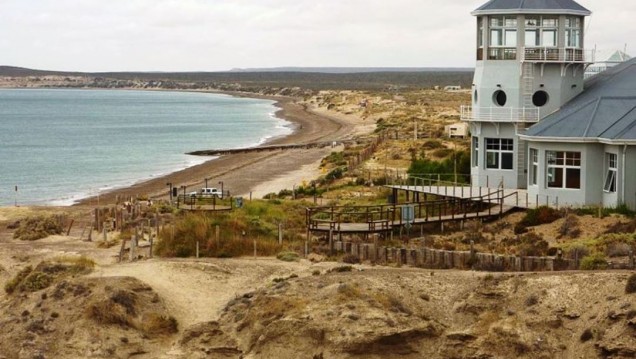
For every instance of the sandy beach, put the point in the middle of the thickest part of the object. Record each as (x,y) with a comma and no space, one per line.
(259,173)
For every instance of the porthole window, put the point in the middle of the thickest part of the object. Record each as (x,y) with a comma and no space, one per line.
(475,96)
(499,98)
(540,98)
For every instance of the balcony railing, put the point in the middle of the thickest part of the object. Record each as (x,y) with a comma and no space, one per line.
(499,114)
(554,54)
(502,53)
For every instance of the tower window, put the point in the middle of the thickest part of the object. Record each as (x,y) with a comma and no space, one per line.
(499,98)
(475,97)
(540,98)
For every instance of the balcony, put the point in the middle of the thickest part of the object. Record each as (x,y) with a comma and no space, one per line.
(500,114)
(557,55)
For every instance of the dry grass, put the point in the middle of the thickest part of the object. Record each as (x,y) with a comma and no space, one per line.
(155,324)
(38,227)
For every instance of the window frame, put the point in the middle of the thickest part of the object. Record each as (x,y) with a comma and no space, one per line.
(610,184)
(475,159)
(497,153)
(570,162)
(533,177)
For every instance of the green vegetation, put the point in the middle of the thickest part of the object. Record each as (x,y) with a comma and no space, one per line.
(459,163)
(536,217)
(38,227)
(46,273)
(288,256)
(594,262)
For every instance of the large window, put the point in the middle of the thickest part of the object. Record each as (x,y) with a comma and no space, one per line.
(499,153)
(503,32)
(475,151)
(534,166)
(563,169)
(611,169)
(541,31)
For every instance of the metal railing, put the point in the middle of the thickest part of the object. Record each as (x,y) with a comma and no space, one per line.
(555,54)
(500,114)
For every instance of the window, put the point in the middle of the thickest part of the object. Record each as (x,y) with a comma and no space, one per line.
(573,32)
(563,169)
(475,151)
(499,153)
(540,98)
(503,31)
(480,32)
(611,164)
(541,31)
(534,166)
(499,98)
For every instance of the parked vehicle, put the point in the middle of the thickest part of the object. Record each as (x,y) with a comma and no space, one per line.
(207,192)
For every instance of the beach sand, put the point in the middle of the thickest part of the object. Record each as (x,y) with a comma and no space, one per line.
(259,173)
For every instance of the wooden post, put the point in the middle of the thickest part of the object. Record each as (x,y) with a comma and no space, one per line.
(217,234)
(105,235)
(254,248)
(133,245)
(68,232)
(121,250)
(151,245)
(280,233)
(331,242)
(197,249)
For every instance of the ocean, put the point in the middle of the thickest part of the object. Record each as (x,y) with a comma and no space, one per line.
(59,146)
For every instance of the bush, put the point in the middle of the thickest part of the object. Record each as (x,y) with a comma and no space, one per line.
(340,269)
(157,325)
(594,262)
(442,152)
(351,259)
(587,335)
(630,287)
(13,284)
(532,300)
(536,217)
(570,227)
(432,144)
(35,281)
(34,228)
(288,256)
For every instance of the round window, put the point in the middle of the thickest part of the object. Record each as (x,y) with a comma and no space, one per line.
(499,98)
(540,98)
(475,96)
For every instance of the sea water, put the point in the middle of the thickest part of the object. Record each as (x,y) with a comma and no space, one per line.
(59,146)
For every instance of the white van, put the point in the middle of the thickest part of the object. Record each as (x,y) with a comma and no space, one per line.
(207,192)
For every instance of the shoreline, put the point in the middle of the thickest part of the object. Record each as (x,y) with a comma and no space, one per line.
(243,173)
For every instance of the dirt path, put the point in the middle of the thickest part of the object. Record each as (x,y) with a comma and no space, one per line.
(195,291)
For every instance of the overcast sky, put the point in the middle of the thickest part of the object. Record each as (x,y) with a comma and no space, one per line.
(212,35)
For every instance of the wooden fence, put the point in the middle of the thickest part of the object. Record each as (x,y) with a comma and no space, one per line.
(442,259)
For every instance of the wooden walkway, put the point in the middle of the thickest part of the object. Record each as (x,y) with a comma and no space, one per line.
(518,198)
(384,218)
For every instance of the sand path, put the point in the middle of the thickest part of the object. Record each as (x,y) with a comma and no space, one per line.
(196,291)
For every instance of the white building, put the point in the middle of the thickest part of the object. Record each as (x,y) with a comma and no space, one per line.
(457,130)
(533,125)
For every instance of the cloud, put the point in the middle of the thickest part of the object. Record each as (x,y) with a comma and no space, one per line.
(185,35)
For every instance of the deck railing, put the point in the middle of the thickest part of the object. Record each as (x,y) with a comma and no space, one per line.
(500,114)
(557,55)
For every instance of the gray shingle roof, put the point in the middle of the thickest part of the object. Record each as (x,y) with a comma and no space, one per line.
(605,111)
(565,7)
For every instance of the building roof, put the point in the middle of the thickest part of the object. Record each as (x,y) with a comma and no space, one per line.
(605,112)
(561,7)
(618,56)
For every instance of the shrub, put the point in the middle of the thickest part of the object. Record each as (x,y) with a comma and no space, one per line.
(341,269)
(630,287)
(532,299)
(35,281)
(594,262)
(587,335)
(442,152)
(351,259)
(570,227)
(157,324)
(34,228)
(432,144)
(288,256)
(540,215)
(618,250)
(13,284)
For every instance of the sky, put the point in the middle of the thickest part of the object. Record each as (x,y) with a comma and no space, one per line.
(217,35)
